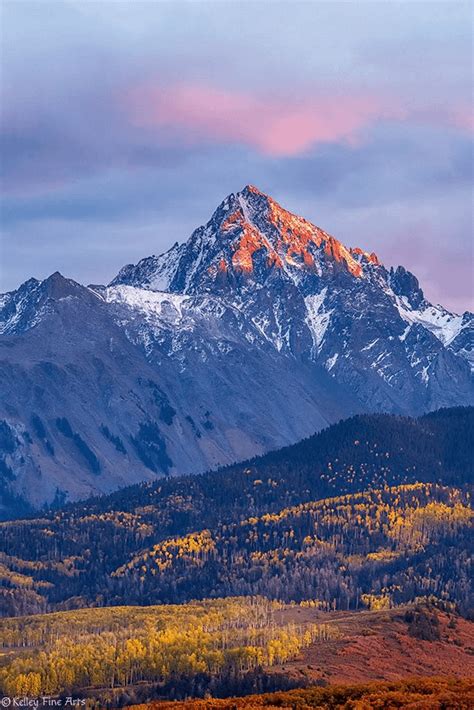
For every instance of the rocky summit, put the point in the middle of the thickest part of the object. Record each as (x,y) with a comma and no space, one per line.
(258,331)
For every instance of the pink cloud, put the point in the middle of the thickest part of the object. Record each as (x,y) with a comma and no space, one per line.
(274,126)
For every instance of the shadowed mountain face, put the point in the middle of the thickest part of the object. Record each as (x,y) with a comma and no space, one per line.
(256,332)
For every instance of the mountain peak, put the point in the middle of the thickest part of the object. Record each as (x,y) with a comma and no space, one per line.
(249,238)
(254,190)
(257,224)
(58,287)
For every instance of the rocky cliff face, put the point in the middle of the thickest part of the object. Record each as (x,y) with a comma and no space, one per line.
(258,331)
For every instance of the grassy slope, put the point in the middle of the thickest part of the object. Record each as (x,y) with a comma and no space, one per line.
(383,645)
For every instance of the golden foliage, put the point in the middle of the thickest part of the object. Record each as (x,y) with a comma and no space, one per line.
(119,646)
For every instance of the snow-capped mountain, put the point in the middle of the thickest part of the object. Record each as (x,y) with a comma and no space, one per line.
(313,299)
(256,332)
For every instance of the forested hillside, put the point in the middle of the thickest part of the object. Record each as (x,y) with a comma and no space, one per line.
(376,549)
(260,520)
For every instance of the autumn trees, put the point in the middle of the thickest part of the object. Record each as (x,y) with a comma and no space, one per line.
(122,646)
(378,548)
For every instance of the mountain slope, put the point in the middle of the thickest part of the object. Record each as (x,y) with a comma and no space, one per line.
(414,694)
(85,408)
(256,332)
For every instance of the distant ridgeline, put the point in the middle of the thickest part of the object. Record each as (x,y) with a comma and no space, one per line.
(373,510)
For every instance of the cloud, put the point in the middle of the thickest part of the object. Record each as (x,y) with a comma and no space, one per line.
(275,126)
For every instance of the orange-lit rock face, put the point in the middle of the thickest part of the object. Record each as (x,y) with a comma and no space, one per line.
(298,234)
(339,253)
(296,241)
(236,218)
(250,241)
(255,190)
(308,259)
(372,257)
(221,268)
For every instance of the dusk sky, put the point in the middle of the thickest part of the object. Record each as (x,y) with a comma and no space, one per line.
(124,124)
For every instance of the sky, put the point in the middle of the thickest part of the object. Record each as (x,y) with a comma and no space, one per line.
(125,124)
